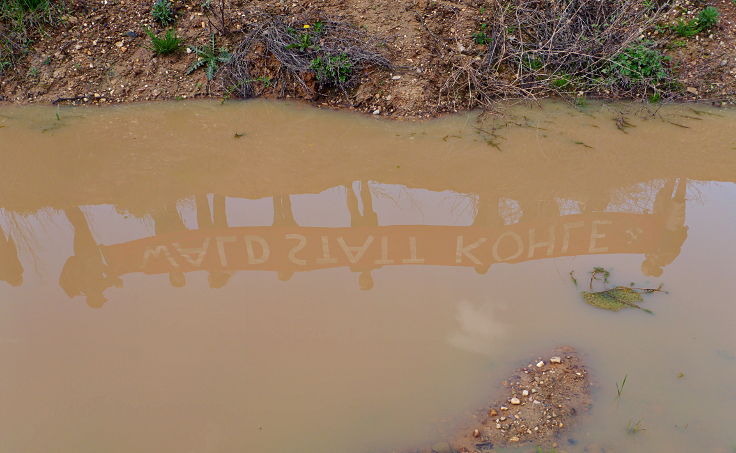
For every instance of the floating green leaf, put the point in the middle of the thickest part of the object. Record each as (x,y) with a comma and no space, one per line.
(615,299)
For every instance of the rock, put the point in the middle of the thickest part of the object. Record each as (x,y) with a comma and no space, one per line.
(377,112)
(525,393)
(692,90)
(476,433)
(514,439)
(514,401)
(493,412)
(555,360)
(131,34)
(442,447)
(540,364)
(396,77)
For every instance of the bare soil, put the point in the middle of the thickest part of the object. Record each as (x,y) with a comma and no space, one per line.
(100,54)
(538,406)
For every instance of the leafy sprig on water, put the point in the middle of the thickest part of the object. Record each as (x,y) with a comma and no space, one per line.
(616,298)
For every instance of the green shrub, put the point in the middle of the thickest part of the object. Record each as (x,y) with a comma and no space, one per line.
(209,57)
(333,69)
(639,63)
(163,12)
(169,43)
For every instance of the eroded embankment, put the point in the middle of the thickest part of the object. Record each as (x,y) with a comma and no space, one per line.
(388,57)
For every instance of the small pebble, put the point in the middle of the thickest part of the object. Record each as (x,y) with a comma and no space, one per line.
(492,412)
(476,433)
(555,360)
(515,400)
(514,439)
(540,364)
(525,392)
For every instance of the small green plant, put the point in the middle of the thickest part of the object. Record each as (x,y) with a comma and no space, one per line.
(708,18)
(481,37)
(634,428)
(561,82)
(165,45)
(533,63)
(677,44)
(307,37)
(163,12)
(33,72)
(209,57)
(542,450)
(333,69)
(705,20)
(639,63)
(620,388)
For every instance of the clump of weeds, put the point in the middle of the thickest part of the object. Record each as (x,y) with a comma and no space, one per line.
(209,57)
(163,12)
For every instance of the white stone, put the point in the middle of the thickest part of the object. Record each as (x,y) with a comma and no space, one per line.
(540,364)
(515,400)
(525,393)
(555,360)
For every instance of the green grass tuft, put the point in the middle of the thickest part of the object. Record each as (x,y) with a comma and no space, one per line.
(165,45)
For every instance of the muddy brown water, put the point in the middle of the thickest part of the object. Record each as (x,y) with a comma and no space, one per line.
(266,277)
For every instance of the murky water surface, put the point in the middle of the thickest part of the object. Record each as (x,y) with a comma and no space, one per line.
(270,278)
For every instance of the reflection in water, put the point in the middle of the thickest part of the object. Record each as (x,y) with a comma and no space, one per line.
(11,270)
(349,266)
(670,209)
(86,273)
(364,246)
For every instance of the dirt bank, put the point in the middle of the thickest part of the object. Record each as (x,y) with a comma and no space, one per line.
(96,51)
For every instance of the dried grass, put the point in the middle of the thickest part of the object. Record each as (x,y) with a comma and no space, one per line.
(275,49)
(554,47)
